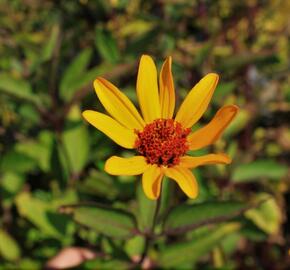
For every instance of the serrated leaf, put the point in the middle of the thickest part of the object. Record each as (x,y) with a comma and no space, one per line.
(267,216)
(9,248)
(108,221)
(188,217)
(189,252)
(259,169)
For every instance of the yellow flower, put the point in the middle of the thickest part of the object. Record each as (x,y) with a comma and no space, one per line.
(160,140)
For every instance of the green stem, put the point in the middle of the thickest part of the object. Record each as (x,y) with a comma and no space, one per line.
(149,237)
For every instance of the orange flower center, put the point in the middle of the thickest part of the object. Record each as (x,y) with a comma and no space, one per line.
(162,142)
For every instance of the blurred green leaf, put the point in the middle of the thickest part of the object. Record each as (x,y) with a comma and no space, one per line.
(146,210)
(105,264)
(75,139)
(236,62)
(10,184)
(239,123)
(43,215)
(9,248)
(75,75)
(106,45)
(258,170)
(202,54)
(50,44)
(18,88)
(40,150)
(189,217)
(15,161)
(135,246)
(101,184)
(222,90)
(267,216)
(136,28)
(189,252)
(108,221)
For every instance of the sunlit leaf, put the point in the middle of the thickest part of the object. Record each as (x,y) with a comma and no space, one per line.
(267,216)
(9,248)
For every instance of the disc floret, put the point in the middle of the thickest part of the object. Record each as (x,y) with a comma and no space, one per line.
(162,142)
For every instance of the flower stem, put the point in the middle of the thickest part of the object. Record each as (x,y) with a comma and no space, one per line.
(149,237)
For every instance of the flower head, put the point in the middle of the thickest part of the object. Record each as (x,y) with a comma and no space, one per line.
(160,139)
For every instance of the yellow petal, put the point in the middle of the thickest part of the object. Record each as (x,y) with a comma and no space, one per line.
(185,179)
(147,89)
(212,131)
(118,105)
(119,134)
(192,162)
(167,93)
(197,100)
(126,166)
(151,181)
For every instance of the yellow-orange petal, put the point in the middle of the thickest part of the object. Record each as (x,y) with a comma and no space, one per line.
(126,166)
(167,93)
(185,179)
(151,181)
(197,100)
(118,105)
(212,131)
(192,162)
(115,131)
(147,89)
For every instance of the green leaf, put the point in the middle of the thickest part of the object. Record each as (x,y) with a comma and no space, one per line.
(74,73)
(105,264)
(18,88)
(100,184)
(43,214)
(239,123)
(223,89)
(236,62)
(188,217)
(76,142)
(189,252)
(15,161)
(267,216)
(108,221)
(259,169)
(146,210)
(49,46)
(9,248)
(135,246)
(40,150)
(10,184)
(106,45)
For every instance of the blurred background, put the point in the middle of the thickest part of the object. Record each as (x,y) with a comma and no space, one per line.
(50,53)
